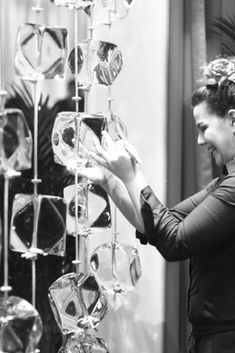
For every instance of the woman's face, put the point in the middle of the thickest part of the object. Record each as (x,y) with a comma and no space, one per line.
(216,133)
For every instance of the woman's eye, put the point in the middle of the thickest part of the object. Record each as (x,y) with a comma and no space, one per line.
(202,128)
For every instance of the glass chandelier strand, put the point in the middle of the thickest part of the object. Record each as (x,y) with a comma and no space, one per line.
(77,260)
(115,232)
(5,288)
(38,9)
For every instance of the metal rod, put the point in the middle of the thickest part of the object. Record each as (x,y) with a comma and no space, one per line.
(38,9)
(77,237)
(34,281)
(6,198)
(6,288)
(35,180)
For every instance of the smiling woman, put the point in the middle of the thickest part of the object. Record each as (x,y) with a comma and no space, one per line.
(200,228)
(214,110)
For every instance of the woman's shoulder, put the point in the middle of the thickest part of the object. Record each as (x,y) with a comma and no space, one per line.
(228,179)
(224,188)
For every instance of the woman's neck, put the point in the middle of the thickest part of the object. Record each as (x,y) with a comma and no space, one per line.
(230,166)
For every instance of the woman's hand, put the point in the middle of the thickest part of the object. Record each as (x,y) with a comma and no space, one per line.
(97,175)
(118,157)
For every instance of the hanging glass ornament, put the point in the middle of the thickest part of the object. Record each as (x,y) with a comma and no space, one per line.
(116,267)
(64,135)
(20,326)
(86,60)
(74,4)
(15,141)
(38,224)
(93,209)
(40,52)
(83,343)
(109,64)
(98,62)
(108,11)
(82,208)
(77,302)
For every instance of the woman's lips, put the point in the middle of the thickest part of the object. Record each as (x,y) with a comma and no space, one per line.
(212,150)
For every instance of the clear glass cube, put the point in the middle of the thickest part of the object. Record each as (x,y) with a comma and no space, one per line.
(20,326)
(77,302)
(116,267)
(86,60)
(15,141)
(40,52)
(72,138)
(73,4)
(38,224)
(93,212)
(83,343)
(98,62)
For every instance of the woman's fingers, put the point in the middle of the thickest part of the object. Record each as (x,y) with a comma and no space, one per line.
(100,152)
(99,159)
(107,142)
(131,151)
(82,172)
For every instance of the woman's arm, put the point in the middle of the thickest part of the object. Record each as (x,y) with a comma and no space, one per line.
(116,189)
(127,202)
(199,227)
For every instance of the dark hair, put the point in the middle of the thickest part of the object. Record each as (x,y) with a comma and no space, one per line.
(219,98)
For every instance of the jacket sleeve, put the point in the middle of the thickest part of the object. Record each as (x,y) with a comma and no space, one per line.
(195,225)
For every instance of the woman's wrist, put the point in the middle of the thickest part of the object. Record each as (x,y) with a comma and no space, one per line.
(109,180)
(138,179)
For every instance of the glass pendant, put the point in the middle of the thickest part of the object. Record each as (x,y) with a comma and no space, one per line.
(40,52)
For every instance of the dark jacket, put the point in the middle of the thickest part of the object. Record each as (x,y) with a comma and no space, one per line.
(201,228)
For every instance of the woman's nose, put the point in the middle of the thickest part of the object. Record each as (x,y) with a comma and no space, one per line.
(201,140)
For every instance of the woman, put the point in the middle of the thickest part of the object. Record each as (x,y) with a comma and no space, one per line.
(201,228)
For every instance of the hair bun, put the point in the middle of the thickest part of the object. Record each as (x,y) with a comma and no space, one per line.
(219,72)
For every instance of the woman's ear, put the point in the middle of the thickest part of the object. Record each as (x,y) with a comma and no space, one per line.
(231,115)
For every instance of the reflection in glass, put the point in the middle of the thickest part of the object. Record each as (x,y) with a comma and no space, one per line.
(77,302)
(89,128)
(93,211)
(83,343)
(48,234)
(98,62)
(15,141)
(116,267)
(20,326)
(40,52)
